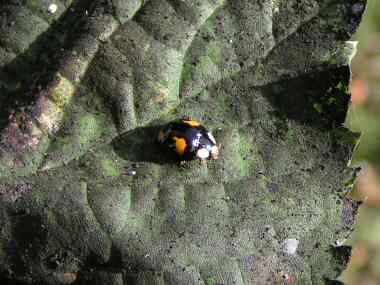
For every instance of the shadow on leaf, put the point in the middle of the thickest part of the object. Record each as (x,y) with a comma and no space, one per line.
(36,67)
(319,98)
(141,145)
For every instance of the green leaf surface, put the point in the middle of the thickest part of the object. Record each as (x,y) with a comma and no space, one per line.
(88,197)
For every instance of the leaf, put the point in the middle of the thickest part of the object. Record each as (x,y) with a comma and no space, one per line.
(85,90)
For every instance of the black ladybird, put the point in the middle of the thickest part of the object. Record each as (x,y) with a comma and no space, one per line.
(189,140)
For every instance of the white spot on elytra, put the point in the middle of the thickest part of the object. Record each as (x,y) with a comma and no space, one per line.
(291,245)
(195,142)
(211,137)
(52,8)
(203,153)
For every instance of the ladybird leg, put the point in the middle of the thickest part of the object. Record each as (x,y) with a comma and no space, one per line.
(219,148)
(161,136)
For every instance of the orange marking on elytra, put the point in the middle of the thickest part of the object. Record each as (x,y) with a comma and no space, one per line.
(192,123)
(180,145)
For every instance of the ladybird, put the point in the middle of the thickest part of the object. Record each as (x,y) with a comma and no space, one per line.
(189,140)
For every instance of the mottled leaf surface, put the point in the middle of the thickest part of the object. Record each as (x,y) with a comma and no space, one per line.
(88,197)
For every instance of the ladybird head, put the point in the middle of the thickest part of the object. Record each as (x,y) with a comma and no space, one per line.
(214,152)
(211,152)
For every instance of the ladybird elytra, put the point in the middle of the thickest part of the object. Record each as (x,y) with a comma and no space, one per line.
(189,139)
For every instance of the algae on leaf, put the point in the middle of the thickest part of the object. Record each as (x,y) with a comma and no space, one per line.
(86,194)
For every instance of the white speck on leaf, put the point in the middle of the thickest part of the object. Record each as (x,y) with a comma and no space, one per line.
(340,242)
(291,245)
(131,172)
(52,8)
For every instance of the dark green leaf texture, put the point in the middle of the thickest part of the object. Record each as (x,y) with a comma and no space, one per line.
(83,92)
